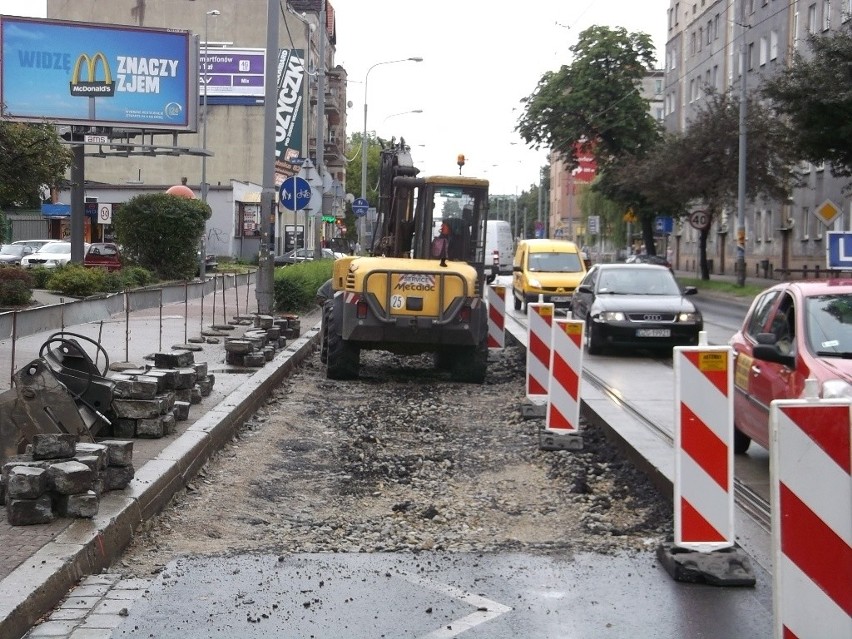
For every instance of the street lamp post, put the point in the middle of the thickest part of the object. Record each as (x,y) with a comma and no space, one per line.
(364,136)
(202,260)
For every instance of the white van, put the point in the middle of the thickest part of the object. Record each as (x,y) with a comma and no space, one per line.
(499,249)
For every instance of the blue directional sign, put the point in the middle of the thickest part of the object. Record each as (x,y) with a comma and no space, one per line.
(295,193)
(663,224)
(360,207)
(838,250)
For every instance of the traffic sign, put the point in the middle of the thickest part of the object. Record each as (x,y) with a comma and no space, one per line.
(360,206)
(663,224)
(838,250)
(295,193)
(699,220)
(594,224)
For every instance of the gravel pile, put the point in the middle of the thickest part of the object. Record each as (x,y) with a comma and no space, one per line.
(404,460)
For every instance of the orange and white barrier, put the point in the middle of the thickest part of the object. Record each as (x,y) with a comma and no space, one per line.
(496,297)
(566,368)
(704,448)
(540,326)
(811,474)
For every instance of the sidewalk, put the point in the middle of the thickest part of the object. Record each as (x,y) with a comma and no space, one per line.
(39,564)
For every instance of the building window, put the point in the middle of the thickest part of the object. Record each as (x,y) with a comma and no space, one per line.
(826,15)
(773,45)
(715,77)
(692,90)
(658,87)
(846,10)
(716,26)
(750,56)
(806,223)
(700,37)
(709,32)
(677,11)
(764,50)
(692,47)
(812,19)
(248,220)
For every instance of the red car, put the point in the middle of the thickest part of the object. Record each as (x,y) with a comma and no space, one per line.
(103,255)
(793,331)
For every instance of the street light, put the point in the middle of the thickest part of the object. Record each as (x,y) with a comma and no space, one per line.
(203,249)
(393,115)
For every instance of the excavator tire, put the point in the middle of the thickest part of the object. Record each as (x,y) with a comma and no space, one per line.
(343,359)
(327,309)
(471,364)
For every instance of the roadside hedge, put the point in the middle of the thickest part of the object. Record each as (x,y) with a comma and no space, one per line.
(295,286)
(16,286)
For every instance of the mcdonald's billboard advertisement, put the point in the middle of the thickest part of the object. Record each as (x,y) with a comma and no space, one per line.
(98,75)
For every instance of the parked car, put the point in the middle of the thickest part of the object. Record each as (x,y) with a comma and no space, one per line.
(11,254)
(304,255)
(103,255)
(548,268)
(635,306)
(50,255)
(793,331)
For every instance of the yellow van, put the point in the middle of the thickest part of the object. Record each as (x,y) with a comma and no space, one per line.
(550,268)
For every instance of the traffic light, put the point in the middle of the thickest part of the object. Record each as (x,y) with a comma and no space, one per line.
(460,161)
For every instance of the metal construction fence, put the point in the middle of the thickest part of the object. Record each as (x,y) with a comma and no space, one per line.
(213,300)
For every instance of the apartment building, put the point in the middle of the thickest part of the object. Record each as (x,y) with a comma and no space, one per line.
(709,42)
(235,120)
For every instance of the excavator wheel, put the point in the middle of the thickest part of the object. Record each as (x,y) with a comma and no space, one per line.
(327,309)
(342,358)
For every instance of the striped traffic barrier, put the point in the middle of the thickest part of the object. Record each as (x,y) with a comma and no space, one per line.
(496,297)
(704,549)
(704,447)
(811,475)
(540,326)
(562,423)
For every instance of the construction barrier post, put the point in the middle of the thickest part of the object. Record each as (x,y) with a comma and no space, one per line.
(811,475)
(496,298)
(540,326)
(704,549)
(562,426)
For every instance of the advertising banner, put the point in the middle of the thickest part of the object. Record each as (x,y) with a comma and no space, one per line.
(231,72)
(289,113)
(100,75)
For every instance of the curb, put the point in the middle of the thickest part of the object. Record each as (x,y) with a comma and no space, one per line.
(88,546)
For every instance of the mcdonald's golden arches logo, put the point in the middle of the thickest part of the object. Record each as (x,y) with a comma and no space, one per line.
(92,87)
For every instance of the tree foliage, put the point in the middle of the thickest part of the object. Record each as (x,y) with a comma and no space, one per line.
(816,94)
(161,232)
(595,101)
(31,155)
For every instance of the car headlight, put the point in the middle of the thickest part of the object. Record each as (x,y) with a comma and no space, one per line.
(835,388)
(611,316)
(688,317)
(535,283)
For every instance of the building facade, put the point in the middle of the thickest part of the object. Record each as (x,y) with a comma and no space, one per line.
(234,126)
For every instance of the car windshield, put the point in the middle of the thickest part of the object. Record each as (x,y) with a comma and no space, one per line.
(56,247)
(554,262)
(829,324)
(12,249)
(637,281)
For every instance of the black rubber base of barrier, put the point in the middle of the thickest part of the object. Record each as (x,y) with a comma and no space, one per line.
(723,567)
(549,440)
(533,411)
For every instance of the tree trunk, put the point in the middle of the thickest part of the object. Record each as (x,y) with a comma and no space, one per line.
(648,235)
(702,252)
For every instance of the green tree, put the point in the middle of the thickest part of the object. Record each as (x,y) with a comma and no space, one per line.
(594,105)
(161,232)
(816,95)
(31,155)
(701,166)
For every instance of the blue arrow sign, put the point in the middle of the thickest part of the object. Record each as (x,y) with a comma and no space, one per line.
(295,193)
(360,206)
(839,250)
(663,224)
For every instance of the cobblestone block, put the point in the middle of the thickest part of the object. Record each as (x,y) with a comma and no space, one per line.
(53,445)
(167,400)
(235,359)
(118,477)
(92,462)
(168,424)
(201,369)
(138,388)
(205,387)
(82,505)
(174,359)
(183,395)
(119,452)
(268,353)
(167,377)
(26,482)
(124,428)
(263,321)
(181,411)
(29,512)
(238,346)
(150,428)
(282,342)
(273,333)
(195,395)
(255,360)
(186,378)
(99,450)
(137,408)
(70,477)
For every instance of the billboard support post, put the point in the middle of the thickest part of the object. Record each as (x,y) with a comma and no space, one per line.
(78,181)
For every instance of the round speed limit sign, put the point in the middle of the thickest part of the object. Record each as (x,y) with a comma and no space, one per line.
(699,220)
(105,214)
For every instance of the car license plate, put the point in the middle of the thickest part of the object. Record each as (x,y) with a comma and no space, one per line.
(653,332)
(560,299)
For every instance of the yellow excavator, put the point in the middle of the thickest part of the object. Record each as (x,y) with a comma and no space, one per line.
(419,288)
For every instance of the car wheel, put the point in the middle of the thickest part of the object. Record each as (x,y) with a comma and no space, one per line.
(593,338)
(741,441)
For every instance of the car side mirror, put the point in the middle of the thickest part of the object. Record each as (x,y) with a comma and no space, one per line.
(767,350)
(689,290)
(585,288)
(28,250)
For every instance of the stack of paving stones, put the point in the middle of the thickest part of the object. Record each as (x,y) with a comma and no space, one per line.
(259,343)
(61,477)
(148,402)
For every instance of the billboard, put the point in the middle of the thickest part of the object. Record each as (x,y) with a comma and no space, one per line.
(97,75)
(289,113)
(233,72)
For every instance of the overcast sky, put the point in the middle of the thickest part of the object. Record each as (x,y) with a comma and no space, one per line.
(480,58)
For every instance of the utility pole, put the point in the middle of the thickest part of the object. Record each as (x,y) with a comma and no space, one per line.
(321,34)
(741,171)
